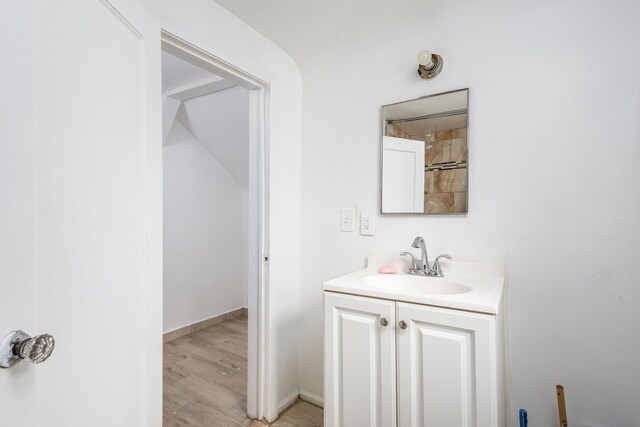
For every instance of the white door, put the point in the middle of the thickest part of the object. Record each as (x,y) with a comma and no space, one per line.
(446,368)
(359,362)
(402,175)
(75,139)
(17,258)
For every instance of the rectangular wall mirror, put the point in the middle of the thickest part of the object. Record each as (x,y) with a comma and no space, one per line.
(424,155)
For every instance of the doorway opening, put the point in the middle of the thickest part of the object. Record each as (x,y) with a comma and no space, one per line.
(215,246)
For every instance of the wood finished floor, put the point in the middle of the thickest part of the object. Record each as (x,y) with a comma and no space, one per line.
(205,381)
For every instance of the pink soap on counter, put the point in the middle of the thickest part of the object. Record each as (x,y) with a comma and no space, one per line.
(388,270)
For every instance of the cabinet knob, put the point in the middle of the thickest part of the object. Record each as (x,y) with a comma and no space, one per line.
(403,325)
(384,322)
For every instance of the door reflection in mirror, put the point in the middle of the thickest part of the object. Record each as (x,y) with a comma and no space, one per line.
(425,155)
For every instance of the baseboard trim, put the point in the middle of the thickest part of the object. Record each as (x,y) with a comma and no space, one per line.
(186,330)
(288,401)
(312,398)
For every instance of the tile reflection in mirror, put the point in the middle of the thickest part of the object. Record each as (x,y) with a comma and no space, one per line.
(425,155)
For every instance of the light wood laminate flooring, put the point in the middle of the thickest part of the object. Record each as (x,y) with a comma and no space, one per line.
(205,381)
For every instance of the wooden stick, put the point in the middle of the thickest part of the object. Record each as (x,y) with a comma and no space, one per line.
(562,410)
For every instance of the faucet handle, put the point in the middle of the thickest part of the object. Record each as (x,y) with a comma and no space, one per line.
(413,266)
(436,270)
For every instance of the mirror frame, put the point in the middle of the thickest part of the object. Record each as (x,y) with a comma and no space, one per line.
(381,153)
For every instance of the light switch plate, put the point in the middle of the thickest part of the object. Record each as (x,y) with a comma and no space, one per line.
(367,223)
(346,219)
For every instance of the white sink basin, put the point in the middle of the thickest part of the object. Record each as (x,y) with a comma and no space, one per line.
(467,285)
(410,284)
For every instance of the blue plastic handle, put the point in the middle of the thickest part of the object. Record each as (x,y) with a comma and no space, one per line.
(524,421)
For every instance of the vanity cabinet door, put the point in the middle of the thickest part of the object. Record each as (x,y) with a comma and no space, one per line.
(446,368)
(360,365)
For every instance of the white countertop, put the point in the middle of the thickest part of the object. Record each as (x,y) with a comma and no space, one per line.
(467,285)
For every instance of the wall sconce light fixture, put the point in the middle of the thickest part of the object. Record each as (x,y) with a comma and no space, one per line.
(429,64)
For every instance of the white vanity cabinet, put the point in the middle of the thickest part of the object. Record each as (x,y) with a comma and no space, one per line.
(446,367)
(360,361)
(391,363)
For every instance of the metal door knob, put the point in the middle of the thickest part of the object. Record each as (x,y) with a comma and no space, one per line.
(403,324)
(18,346)
(384,322)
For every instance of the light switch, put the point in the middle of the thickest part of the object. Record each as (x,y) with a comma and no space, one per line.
(346,219)
(367,223)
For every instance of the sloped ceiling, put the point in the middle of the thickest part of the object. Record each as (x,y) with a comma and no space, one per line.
(219,119)
(177,72)
(306,29)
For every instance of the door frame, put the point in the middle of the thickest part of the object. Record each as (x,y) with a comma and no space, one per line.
(261,361)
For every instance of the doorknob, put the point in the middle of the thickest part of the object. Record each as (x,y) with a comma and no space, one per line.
(403,324)
(18,346)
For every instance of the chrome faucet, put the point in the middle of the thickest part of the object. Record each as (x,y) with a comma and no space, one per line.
(418,243)
(424,269)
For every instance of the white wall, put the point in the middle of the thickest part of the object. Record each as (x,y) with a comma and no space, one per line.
(205,241)
(554,147)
